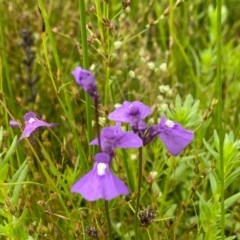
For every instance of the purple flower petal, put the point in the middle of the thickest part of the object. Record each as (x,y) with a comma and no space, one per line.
(115,187)
(131,112)
(86,80)
(174,136)
(89,186)
(100,182)
(128,140)
(32,123)
(114,137)
(13,123)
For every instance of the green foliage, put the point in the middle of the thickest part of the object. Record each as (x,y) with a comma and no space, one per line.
(231,158)
(11,225)
(163,53)
(186,112)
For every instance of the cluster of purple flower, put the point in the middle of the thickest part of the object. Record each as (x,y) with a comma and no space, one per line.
(100,182)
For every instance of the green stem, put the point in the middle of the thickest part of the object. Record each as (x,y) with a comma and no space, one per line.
(219,112)
(96,104)
(85,64)
(5,74)
(108,220)
(138,192)
(83,33)
(166,185)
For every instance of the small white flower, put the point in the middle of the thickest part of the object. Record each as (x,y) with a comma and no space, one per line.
(131,74)
(162,107)
(117,105)
(133,157)
(102,121)
(117,44)
(92,67)
(151,121)
(163,67)
(164,88)
(118,225)
(153,174)
(151,65)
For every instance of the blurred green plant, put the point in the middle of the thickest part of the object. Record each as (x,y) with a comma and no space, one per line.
(12,225)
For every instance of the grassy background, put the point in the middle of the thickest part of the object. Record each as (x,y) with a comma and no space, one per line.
(132,51)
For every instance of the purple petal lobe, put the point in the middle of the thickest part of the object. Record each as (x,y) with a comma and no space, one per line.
(115,187)
(29,115)
(128,140)
(174,136)
(100,182)
(86,80)
(130,112)
(13,123)
(89,186)
(114,137)
(102,158)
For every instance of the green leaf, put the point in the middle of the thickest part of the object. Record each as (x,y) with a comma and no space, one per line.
(18,178)
(187,112)
(231,200)
(10,150)
(213,182)
(1,135)
(4,172)
(170,211)
(211,149)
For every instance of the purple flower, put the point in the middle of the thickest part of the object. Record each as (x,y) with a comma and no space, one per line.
(131,112)
(14,124)
(86,80)
(174,136)
(100,182)
(31,124)
(114,137)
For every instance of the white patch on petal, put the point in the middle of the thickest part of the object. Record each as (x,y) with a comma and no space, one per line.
(101,169)
(169,123)
(31,120)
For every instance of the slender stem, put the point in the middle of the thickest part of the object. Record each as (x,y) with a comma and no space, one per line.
(108,220)
(138,192)
(166,185)
(83,33)
(88,102)
(85,63)
(96,103)
(219,112)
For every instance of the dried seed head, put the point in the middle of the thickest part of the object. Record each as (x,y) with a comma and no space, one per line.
(147,216)
(92,232)
(126,3)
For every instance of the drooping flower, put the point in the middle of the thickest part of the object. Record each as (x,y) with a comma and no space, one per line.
(131,112)
(113,137)
(174,136)
(100,182)
(31,124)
(86,80)
(14,124)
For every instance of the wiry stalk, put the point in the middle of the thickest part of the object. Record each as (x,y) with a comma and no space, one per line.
(219,112)
(138,193)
